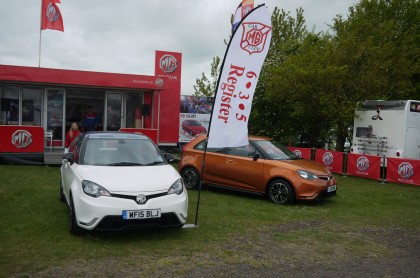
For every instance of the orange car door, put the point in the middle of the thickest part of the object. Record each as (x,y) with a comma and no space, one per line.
(214,166)
(242,171)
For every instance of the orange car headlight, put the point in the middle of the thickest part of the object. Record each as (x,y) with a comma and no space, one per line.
(306,175)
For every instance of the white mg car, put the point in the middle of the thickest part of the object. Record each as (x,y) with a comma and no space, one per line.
(117,180)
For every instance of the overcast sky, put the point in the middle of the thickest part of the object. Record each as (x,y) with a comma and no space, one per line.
(121,36)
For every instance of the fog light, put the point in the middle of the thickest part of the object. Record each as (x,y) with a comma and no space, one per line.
(90,223)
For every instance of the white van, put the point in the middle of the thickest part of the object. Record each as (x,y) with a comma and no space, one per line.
(387,128)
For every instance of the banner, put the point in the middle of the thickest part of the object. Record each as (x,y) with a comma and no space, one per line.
(51,16)
(330,159)
(192,125)
(366,166)
(301,152)
(194,117)
(401,170)
(238,78)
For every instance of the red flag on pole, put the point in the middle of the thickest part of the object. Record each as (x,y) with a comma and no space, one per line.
(243,9)
(51,16)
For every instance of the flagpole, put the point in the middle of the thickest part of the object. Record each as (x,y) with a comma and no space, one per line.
(40,37)
(208,130)
(39,54)
(211,117)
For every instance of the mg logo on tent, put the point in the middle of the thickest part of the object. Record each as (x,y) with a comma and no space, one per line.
(254,36)
(406,170)
(21,138)
(328,158)
(159,82)
(168,63)
(362,163)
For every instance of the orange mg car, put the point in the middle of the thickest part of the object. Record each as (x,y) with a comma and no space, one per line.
(263,166)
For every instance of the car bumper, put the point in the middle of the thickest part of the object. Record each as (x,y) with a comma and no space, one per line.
(105,213)
(316,190)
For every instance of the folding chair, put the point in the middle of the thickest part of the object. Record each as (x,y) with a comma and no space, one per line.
(48,135)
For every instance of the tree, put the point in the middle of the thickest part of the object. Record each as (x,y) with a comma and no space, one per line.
(311,83)
(378,49)
(205,87)
(273,108)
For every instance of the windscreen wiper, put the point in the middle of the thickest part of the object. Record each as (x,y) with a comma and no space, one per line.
(155,163)
(125,164)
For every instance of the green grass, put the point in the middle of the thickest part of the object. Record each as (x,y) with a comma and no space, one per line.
(34,234)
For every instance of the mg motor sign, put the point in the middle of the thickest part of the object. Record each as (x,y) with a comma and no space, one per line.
(331,159)
(328,158)
(21,138)
(168,63)
(367,166)
(403,171)
(304,153)
(21,144)
(362,163)
(298,153)
(168,67)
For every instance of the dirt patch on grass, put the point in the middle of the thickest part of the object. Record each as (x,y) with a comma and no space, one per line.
(275,251)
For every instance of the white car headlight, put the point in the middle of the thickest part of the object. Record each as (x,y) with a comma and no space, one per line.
(306,175)
(94,190)
(177,187)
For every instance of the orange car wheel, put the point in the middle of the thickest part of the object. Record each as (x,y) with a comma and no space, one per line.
(281,192)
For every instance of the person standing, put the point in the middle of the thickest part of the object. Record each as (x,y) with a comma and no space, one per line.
(72,133)
(90,120)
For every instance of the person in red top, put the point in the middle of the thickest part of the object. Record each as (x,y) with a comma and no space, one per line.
(90,120)
(72,133)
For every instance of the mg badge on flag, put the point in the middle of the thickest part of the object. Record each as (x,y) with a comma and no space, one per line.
(51,16)
(254,37)
(238,79)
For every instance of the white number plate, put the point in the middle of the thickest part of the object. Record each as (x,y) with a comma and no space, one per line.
(141,214)
(332,188)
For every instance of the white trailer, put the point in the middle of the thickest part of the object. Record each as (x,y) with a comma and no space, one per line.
(387,128)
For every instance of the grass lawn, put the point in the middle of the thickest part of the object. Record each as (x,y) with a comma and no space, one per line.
(35,237)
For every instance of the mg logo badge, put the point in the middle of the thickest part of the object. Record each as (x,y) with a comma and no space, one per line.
(168,63)
(362,163)
(141,199)
(254,36)
(159,82)
(52,13)
(406,170)
(298,153)
(328,158)
(21,138)
(246,10)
